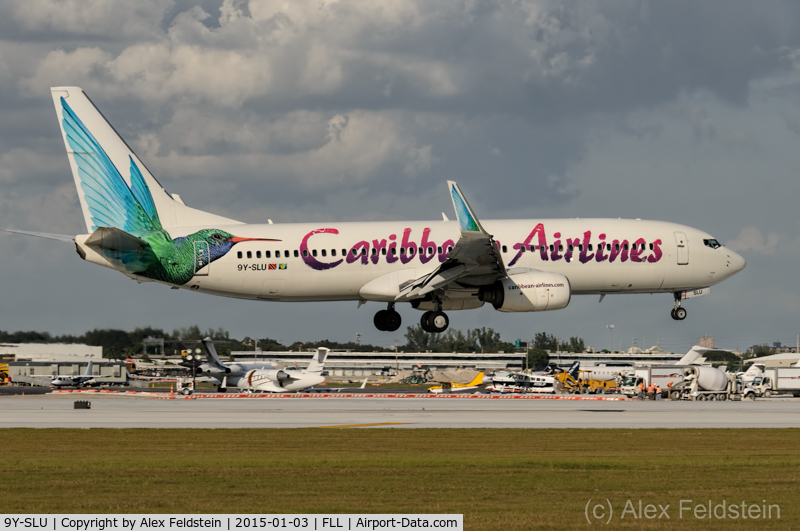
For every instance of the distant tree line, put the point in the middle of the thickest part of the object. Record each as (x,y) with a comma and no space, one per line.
(118,344)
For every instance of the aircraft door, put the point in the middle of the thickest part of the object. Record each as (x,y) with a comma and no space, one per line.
(683,248)
(201,258)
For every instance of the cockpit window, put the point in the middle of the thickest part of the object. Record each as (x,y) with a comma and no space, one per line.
(714,244)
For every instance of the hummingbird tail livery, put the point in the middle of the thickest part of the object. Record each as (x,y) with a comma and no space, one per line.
(112,182)
(136,227)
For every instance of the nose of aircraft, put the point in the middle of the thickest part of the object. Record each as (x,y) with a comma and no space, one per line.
(735,262)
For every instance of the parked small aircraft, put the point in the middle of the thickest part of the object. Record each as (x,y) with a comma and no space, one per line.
(85,380)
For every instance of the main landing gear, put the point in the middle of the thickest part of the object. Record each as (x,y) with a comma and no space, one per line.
(387,320)
(678,313)
(436,321)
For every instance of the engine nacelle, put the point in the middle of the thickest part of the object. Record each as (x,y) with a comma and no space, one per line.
(528,291)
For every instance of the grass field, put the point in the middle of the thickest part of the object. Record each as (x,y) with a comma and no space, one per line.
(499,479)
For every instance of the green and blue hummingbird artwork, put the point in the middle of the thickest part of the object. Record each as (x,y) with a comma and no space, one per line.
(112,203)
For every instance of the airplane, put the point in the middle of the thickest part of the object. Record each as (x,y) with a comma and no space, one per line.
(85,380)
(225,373)
(453,387)
(285,380)
(136,227)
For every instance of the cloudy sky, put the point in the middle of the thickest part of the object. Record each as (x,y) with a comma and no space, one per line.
(341,111)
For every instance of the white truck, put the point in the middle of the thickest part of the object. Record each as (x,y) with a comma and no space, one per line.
(666,376)
(774,380)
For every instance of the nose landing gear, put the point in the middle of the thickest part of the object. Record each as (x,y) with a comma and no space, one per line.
(387,320)
(678,313)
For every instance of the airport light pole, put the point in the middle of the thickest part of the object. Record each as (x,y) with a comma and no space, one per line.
(611,340)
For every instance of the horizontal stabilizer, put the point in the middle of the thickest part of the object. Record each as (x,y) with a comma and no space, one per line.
(114,239)
(58,237)
(125,251)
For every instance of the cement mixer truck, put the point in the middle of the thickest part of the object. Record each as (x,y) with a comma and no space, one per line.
(707,383)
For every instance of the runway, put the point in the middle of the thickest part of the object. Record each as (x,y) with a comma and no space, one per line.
(115,411)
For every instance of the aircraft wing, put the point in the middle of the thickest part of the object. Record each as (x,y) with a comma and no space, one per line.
(474,260)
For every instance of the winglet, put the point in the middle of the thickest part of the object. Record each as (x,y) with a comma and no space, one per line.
(466,218)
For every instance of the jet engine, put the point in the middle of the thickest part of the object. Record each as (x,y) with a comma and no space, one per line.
(528,290)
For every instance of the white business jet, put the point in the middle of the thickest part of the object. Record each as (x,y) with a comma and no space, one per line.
(136,227)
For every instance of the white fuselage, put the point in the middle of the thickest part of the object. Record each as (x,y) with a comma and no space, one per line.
(334,261)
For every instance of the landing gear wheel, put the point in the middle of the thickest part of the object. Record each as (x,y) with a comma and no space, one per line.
(380,320)
(680,314)
(672,314)
(438,321)
(424,322)
(393,321)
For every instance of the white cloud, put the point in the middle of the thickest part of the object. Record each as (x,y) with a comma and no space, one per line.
(753,239)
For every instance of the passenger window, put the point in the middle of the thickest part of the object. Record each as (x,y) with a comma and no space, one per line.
(651,246)
(383,251)
(333,252)
(641,247)
(402,250)
(286,254)
(296,253)
(355,252)
(374,251)
(344,252)
(580,247)
(449,249)
(324,252)
(239,254)
(363,251)
(552,248)
(625,246)
(561,248)
(440,249)
(431,250)
(258,254)
(394,251)
(411,251)
(608,247)
(249,254)
(505,249)
(570,248)
(590,246)
(267,254)
(305,253)
(314,253)
(616,247)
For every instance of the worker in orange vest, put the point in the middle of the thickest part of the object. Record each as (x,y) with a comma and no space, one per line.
(641,387)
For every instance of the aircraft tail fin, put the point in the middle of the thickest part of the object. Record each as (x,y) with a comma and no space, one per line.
(318,361)
(478,380)
(114,186)
(574,368)
(693,357)
(88,369)
(211,352)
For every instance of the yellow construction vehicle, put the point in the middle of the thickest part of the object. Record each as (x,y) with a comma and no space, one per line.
(3,373)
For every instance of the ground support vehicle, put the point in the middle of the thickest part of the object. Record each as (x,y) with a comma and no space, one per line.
(666,376)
